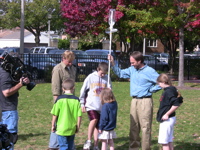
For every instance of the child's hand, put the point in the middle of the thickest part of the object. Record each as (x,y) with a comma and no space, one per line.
(83,109)
(77,129)
(53,129)
(165,117)
(100,131)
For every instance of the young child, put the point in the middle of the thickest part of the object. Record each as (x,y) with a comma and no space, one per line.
(108,119)
(92,86)
(169,102)
(66,115)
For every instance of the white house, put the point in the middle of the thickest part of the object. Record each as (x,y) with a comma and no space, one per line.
(11,38)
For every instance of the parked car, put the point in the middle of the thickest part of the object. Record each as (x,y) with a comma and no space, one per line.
(87,66)
(16,50)
(192,54)
(156,63)
(162,56)
(42,49)
(100,53)
(38,64)
(79,54)
(1,50)
(80,58)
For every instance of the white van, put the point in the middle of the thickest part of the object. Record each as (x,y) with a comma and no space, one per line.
(42,50)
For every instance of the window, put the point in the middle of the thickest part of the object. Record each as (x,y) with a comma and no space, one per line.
(152,43)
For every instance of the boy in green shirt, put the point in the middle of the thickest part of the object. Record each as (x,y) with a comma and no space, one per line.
(66,115)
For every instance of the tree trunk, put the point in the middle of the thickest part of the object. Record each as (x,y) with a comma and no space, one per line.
(181,57)
(37,40)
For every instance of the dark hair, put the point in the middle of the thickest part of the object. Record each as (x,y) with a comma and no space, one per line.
(68,84)
(107,96)
(164,78)
(103,66)
(137,56)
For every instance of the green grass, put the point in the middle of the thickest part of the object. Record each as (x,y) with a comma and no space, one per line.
(35,119)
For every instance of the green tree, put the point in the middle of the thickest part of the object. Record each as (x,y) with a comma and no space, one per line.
(36,16)
(167,20)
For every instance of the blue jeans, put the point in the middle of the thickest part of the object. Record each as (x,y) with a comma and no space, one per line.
(10,118)
(66,142)
(53,141)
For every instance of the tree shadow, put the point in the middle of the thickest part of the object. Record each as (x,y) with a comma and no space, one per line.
(187,146)
(24,137)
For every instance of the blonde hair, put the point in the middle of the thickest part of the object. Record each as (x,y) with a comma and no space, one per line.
(164,78)
(107,96)
(68,84)
(69,55)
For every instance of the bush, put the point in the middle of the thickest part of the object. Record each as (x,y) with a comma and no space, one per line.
(63,44)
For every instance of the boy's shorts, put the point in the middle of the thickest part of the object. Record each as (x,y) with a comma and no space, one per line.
(166,131)
(93,114)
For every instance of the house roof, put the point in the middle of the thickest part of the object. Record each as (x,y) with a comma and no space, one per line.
(13,34)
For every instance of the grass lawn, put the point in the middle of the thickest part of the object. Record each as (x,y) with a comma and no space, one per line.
(35,119)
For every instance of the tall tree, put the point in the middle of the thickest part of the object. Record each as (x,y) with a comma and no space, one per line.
(155,18)
(167,19)
(183,12)
(36,16)
(87,16)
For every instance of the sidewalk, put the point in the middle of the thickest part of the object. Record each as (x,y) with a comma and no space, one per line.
(192,81)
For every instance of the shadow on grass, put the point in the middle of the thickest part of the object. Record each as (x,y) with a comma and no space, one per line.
(187,146)
(155,145)
(124,140)
(121,143)
(24,137)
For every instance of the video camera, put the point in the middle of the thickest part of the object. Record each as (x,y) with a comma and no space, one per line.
(6,137)
(16,68)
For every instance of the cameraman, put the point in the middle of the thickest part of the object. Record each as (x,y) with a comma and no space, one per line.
(9,101)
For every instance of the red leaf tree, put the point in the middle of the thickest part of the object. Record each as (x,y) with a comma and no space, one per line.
(86,15)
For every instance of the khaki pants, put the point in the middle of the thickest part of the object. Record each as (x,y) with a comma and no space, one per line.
(141,113)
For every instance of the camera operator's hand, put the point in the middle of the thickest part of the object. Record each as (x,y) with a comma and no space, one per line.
(14,89)
(24,81)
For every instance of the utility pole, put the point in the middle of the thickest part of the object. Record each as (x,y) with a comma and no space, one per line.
(22,28)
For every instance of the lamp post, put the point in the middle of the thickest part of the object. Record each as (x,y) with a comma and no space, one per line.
(22,28)
(110,30)
(49,29)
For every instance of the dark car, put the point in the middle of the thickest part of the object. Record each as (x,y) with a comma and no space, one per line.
(156,63)
(1,50)
(87,66)
(38,64)
(100,53)
(161,56)
(16,50)
(79,54)
(80,57)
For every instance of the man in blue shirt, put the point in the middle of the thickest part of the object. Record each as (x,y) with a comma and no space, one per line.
(142,85)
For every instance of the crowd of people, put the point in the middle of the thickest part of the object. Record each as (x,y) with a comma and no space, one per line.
(98,100)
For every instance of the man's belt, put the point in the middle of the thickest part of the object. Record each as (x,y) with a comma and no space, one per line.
(141,97)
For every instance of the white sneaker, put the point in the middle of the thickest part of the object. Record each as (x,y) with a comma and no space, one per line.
(87,145)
